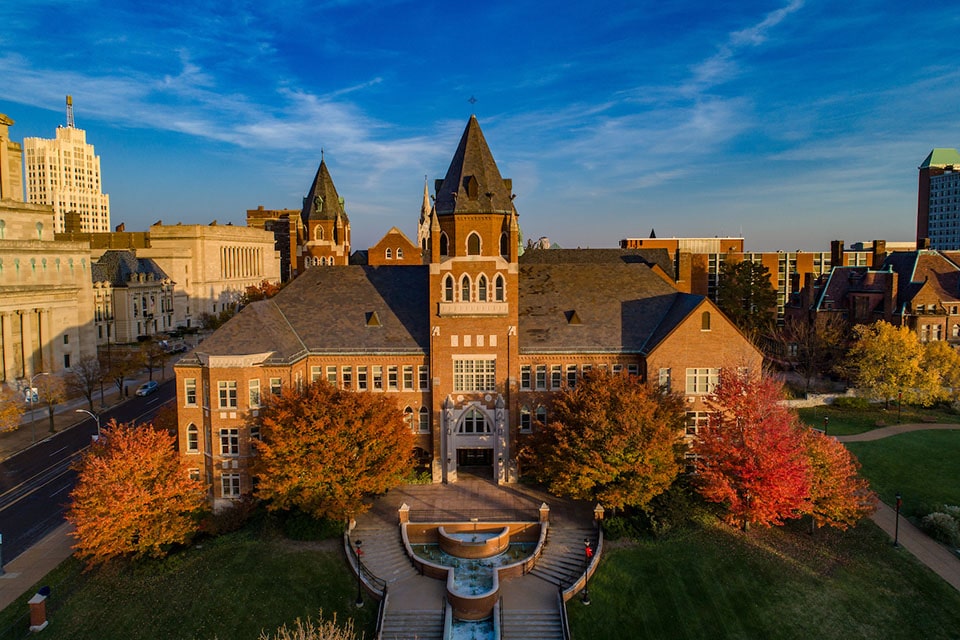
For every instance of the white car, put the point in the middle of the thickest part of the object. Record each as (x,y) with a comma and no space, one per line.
(147,388)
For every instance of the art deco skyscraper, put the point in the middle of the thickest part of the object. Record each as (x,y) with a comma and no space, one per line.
(65,173)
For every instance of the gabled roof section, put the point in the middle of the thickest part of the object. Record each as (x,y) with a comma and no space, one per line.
(322,201)
(473,183)
(651,257)
(117,266)
(619,306)
(942,157)
(925,270)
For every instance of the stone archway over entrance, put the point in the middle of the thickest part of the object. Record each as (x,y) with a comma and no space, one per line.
(476,462)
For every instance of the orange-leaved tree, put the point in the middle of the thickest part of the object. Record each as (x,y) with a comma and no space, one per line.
(839,497)
(324,449)
(134,497)
(11,409)
(750,457)
(612,438)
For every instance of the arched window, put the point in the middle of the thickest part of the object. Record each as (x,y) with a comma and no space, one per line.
(408,418)
(956,331)
(465,288)
(482,288)
(319,233)
(424,420)
(389,254)
(193,439)
(705,321)
(448,289)
(444,244)
(541,416)
(474,422)
(399,253)
(505,245)
(473,244)
(498,294)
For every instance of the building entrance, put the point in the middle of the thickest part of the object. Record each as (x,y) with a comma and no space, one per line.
(475,462)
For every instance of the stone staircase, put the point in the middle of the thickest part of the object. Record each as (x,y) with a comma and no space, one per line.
(413,625)
(531,625)
(383,553)
(562,561)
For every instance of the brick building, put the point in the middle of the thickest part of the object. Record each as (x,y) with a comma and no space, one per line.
(471,339)
(938,200)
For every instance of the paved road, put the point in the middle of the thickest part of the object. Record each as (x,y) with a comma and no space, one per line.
(35,483)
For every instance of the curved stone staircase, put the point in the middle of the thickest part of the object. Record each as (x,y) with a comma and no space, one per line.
(563,561)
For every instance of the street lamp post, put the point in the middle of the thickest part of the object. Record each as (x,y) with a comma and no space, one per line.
(359,602)
(826,421)
(95,417)
(896,525)
(587,554)
(31,400)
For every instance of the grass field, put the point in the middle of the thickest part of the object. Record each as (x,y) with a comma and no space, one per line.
(716,582)
(845,422)
(229,588)
(923,466)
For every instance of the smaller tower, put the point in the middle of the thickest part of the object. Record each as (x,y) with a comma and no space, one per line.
(423,228)
(325,222)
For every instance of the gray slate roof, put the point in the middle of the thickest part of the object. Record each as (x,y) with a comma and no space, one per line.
(659,257)
(117,266)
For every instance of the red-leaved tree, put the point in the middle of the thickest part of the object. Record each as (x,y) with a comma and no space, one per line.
(324,449)
(134,497)
(751,456)
(612,439)
(838,496)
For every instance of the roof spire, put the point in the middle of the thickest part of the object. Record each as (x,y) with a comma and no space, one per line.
(70,111)
(473,183)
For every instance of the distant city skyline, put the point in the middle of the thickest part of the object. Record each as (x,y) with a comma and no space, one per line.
(788,123)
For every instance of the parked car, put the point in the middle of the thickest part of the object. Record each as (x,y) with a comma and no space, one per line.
(147,388)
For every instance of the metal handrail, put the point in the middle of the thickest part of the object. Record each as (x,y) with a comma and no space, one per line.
(564,623)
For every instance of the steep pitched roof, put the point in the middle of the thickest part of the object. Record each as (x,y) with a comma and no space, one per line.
(117,266)
(941,157)
(658,257)
(328,310)
(322,201)
(620,305)
(924,269)
(473,183)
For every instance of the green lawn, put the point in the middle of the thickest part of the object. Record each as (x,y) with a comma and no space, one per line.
(923,466)
(716,582)
(229,588)
(845,422)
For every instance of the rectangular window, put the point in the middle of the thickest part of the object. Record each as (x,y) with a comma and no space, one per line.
(474,375)
(230,485)
(275,386)
(228,394)
(362,378)
(66,338)
(315,373)
(633,370)
(424,420)
(194,474)
(617,369)
(423,372)
(525,377)
(702,381)
(695,421)
(255,432)
(586,369)
(541,379)
(392,382)
(66,361)
(377,377)
(229,442)
(556,376)
(526,424)
(254,394)
(332,375)
(346,377)
(571,375)
(664,378)
(408,377)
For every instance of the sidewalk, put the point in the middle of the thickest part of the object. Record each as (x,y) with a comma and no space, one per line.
(32,565)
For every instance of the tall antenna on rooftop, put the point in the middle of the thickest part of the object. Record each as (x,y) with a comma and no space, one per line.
(70,111)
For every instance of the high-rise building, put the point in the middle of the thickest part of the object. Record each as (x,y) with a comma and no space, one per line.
(938,200)
(65,174)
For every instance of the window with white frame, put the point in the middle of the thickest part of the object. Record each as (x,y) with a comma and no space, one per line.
(362,378)
(229,442)
(474,422)
(392,381)
(332,374)
(474,375)
(526,425)
(616,369)
(315,374)
(276,386)
(228,394)
(633,370)
(230,485)
(408,377)
(571,375)
(377,371)
(190,392)
(346,377)
(423,373)
(541,377)
(193,439)
(424,420)
(409,418)
(702,380)
(194,474)
(695,421)
(556,376)
(664,378)
(525,377)
(254,393)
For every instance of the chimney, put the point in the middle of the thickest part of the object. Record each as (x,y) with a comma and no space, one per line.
(120,228)
(836,253)
(879,253)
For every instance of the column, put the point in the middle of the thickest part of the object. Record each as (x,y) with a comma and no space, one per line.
(26,342)
(6,343)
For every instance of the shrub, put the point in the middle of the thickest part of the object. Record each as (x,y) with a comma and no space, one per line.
(230,518)
(943,527)
(298,525)
(855,403)
(619,527)
(310,630)
(420,476)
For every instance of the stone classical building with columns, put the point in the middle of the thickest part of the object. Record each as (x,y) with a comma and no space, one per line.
(472,340)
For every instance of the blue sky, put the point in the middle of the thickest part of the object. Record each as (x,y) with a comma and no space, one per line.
(788,122)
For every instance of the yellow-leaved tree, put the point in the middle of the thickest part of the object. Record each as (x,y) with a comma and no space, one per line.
(886,361)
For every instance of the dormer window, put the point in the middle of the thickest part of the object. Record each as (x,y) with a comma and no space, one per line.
(473,244)
(389,254)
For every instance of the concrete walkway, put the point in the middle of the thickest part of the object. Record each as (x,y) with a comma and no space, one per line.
(939,558)
(30,567)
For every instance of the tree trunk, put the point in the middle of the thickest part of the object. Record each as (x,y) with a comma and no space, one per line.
(50,413)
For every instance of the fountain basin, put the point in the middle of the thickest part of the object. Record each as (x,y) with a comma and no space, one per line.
(473,543)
